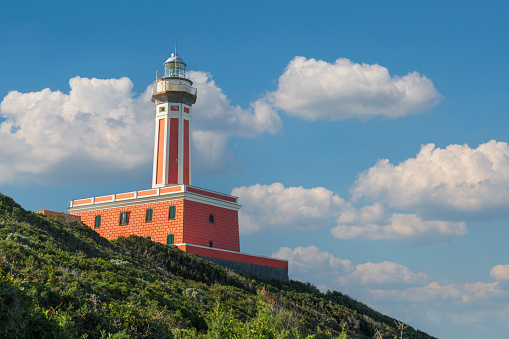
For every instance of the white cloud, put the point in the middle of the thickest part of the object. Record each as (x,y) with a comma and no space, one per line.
(215,120)
(101,130)
(463,293)
(396,288)
(380,274)
(373,222)
(462,317)
(451,182)
(274,207)
(311,260)
(210,153)
(500,272)
(214,113)
(314,89)
(308,263)
(51,136)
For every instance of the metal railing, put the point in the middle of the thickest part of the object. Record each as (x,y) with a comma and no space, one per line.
(163,86)
(172,73)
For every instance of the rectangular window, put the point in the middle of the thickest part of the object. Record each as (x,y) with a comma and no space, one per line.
(174,108)
(210,243)
(162,109)
(173,212)
(186,110)
(148,216)
(98,221)
(211,218)
(124,218)
(171,239)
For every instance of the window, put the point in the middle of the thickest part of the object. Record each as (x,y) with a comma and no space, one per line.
(171,239)
(124,218)
(148,216)
(98,221)
(210,243)
(162,109)
(173,212)
(211,218)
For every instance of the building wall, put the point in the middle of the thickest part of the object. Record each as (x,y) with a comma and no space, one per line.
(191,224)
(224,232)
(157,230)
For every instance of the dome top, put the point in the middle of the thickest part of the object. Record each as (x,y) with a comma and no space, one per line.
(175,58)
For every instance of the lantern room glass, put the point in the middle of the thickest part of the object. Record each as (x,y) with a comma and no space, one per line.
(175,67)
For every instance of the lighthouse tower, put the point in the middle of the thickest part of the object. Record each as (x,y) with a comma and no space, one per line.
(172,212)
(173,95)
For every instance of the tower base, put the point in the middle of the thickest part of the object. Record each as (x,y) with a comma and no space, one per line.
(193,219)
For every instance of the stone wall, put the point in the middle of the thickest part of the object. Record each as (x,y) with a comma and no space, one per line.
(248,270)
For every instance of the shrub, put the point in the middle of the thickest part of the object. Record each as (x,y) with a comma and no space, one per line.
(16,237)
(195,293)
(121,262)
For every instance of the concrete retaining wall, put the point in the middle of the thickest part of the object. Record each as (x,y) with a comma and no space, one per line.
(248,270)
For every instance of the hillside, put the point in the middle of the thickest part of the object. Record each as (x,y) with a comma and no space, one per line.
(60,279)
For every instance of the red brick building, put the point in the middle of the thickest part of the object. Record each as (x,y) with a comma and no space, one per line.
(173,212)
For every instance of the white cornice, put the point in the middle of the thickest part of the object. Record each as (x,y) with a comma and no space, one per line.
(154,199)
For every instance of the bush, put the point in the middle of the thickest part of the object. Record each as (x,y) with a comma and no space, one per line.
(195,293)
(16,237)
(121,262)
(20,317)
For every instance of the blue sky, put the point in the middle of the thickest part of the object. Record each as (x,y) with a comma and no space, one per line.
(298,105)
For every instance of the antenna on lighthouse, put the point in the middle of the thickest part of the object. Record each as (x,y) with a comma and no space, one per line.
(176,58)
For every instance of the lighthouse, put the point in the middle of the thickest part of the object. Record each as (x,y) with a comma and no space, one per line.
(173,212)
(174,96)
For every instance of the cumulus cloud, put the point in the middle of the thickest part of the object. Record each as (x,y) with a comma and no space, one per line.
(215,120)
(380,274)
(455,180)
(102,130)
(434,291)
(51,136)
(274,207)
(278,208)
(500,272)
(311,260)
(314,89)
(214,112)
(374,223)
(392,286)
(211,154)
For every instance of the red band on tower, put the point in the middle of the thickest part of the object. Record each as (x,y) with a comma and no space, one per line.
(160,152)
(174,152)
(186,152)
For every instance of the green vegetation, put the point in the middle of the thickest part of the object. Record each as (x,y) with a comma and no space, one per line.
(60,279)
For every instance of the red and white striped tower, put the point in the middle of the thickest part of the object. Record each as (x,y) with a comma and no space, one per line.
(173,95)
